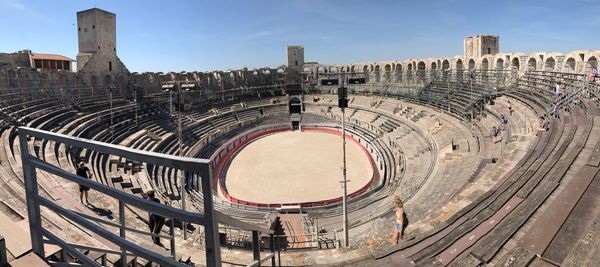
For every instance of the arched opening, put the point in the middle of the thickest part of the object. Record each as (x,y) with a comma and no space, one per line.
(445,65)
(306,70)
(377,74)
(592,62)
(531,64)
(388,72)
(570,64)
(459,69)
(398,72)
(499,64)
(333,69)
(421,71)
(471,64)
(514,64)
(321,69)
(365,69)
(107,81)
(267,72)
(433,70)
(550,64)
(409,72)
(353,68)
(484,64)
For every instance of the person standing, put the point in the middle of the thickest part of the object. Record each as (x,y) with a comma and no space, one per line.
(155,222)
(398,231)
(84,172)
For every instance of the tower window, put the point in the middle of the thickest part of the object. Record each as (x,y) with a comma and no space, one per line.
(489,50)
(110,66)
(93,26)
(98,47)
(79,29)
(296,62)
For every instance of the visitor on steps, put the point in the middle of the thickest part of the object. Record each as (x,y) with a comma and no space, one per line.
(510,111)
(398,231)
(155,222)
(84,172)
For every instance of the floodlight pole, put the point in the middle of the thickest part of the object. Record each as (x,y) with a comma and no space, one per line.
(180,141)
(344,181)
(135,88)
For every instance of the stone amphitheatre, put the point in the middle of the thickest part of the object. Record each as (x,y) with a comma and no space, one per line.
(494,164)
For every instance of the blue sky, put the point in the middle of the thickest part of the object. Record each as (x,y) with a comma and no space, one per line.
(227,34)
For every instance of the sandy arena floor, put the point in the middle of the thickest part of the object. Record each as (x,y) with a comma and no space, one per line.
(296,167)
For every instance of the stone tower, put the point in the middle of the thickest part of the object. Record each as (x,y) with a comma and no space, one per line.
(97,57)
(480,45)
(295,57)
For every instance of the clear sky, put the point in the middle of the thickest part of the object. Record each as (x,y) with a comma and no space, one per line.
(228,34)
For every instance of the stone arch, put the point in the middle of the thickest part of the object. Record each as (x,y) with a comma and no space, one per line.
(532,64)
(387,69)
(377,73)
(306,70)
(107,81)
(333,69)
(365,68)
(353,68)
(550,64)
(471,64)
(485,64)
(459,65)
(421,71)
(445,64)
(570,64)
(321,69)
(592,62)
(499,64)
(398,72)
(433,66)
(515,64)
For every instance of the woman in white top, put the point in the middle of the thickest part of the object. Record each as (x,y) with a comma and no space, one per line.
(398,227)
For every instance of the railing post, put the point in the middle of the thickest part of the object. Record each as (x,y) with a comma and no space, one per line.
(211,227)
(31,193)
(172,234)
(272,248)
(255,247)
(3,258)
(122,232)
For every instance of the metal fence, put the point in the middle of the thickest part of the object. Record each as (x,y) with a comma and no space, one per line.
(209,219)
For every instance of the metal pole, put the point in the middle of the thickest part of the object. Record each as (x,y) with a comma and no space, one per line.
(122,232)
(180,141)
(136,104)
(344,181)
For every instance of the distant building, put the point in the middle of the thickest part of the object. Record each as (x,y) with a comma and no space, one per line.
(481,45)
(97,57)
(50,61)
(27,59)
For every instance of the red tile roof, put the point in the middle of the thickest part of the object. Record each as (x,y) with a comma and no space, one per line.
(50,57)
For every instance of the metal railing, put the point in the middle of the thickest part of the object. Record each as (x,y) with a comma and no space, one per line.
(209,219)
